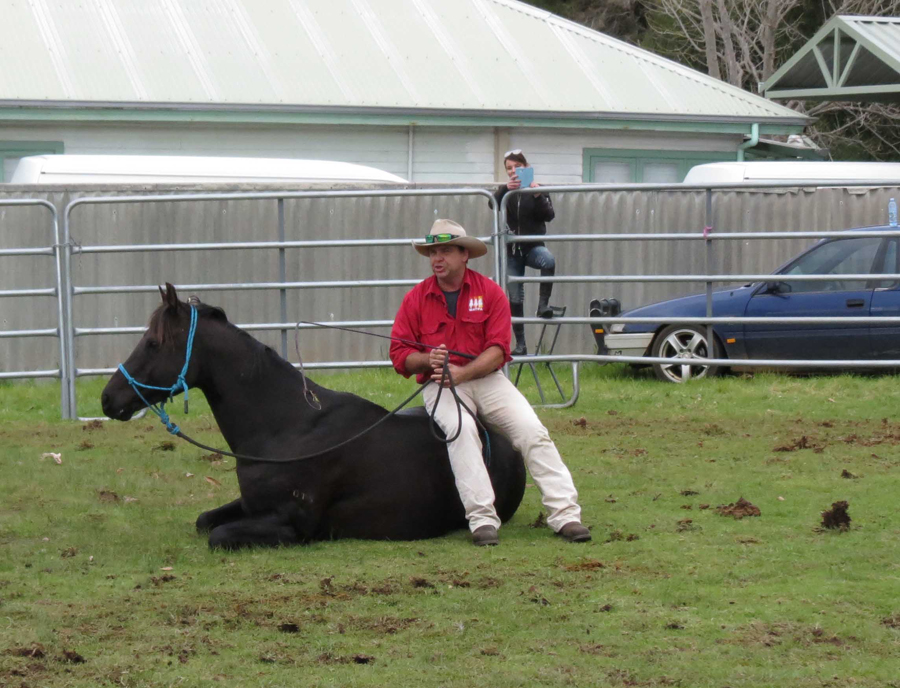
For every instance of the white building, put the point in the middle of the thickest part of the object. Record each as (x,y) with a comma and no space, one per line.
(431,91)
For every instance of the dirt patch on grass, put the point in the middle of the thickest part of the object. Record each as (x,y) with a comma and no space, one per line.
(884,437)
(767,635)
(802,442)
(618,535)
(586,565)
(837,517)
(108,497)
(892,621)
(420,582)
(595,649)
(685,525)
(848,475)
(34,651)
(72,657)
(384,625)
(329,658)
(770,635)
(487,583)
(90,426)
(385,588)
(738,509)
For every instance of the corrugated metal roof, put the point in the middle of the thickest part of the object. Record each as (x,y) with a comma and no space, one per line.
(849,58)
(465,55)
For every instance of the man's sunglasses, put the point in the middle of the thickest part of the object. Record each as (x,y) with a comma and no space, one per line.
(439,238)
(514,151)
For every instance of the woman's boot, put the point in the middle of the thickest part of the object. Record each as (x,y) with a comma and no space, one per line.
(543,309)
(518,311)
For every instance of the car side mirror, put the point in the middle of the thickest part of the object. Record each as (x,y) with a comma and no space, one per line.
(778,288)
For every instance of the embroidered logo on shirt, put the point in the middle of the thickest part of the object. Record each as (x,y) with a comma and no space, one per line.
(476,303)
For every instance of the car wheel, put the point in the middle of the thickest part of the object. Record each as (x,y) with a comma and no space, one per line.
(679,343)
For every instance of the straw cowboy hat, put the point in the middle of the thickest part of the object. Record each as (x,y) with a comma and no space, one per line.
(449,233)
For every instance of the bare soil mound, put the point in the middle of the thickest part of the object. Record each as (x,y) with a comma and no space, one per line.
(738,509)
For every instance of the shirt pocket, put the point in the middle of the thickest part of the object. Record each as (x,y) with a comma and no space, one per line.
(474,324)
(434,332)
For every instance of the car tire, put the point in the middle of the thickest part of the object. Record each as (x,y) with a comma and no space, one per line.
(680,342)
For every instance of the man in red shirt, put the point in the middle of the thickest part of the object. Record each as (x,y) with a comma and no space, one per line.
(462,310)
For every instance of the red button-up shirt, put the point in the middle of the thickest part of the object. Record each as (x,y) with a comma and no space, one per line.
(482,320)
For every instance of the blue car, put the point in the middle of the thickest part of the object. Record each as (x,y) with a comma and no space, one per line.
(849,299)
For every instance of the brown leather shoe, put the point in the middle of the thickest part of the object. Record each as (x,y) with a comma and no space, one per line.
(574,532)
(486,536)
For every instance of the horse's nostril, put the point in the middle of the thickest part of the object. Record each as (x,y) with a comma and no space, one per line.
(104,400)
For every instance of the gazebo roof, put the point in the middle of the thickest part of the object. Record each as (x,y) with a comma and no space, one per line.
(850,58)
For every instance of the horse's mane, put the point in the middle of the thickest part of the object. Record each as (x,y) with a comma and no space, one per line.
(163,327)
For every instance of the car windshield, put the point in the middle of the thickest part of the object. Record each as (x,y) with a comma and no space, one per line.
(841,257)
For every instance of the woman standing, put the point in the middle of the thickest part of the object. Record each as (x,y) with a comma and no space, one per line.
(527,214)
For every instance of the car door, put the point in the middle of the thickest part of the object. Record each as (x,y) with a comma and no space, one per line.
(886,302)
(848,299)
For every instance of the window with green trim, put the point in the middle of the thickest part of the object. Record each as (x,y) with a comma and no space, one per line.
(643,166)
(12,151)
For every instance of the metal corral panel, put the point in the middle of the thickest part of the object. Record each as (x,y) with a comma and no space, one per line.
(481,55)
(244,220)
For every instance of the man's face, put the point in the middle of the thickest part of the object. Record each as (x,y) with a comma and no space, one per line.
(448,262)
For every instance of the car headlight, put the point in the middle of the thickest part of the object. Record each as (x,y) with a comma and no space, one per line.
(617,328)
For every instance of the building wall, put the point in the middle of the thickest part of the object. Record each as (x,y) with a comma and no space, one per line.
(558,155)
(440,154)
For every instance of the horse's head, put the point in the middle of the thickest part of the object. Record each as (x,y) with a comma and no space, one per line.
(159,357)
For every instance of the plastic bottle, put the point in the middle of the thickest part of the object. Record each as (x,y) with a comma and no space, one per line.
(892,213)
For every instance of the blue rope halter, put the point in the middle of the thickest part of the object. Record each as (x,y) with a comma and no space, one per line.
(180,383)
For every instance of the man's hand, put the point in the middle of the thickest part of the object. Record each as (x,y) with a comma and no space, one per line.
(436,357)
(456,374)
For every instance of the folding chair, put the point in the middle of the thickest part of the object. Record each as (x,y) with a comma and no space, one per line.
(558,312)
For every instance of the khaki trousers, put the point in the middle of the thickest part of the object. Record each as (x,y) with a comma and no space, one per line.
(503,408)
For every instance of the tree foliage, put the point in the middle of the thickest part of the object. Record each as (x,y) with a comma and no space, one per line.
(743,42)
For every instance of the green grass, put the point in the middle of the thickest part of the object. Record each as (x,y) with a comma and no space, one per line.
(86,547)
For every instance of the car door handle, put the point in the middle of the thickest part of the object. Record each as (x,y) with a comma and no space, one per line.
(855,303)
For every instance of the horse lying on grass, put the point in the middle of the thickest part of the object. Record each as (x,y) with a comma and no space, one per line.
(394,483)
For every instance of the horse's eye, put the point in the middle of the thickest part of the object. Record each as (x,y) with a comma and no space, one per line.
(152,344)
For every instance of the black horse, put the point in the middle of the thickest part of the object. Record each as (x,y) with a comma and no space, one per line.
(393,483)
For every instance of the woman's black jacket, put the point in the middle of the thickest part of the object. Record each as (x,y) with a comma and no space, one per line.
(526,214)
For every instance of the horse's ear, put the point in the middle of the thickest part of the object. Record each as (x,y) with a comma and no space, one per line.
(170,297)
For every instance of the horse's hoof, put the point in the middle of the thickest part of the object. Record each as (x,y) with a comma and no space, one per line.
(203,524)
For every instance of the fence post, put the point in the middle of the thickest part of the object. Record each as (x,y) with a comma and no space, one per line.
(710,335)
(282,276)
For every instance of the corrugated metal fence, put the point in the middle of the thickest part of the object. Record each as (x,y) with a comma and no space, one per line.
(634,211)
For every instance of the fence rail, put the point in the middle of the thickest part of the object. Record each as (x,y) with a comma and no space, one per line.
(67,251)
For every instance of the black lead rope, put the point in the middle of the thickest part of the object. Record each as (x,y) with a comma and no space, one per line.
(445,376)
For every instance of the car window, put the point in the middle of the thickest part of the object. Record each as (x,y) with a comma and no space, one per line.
(890,265)
(841,257)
